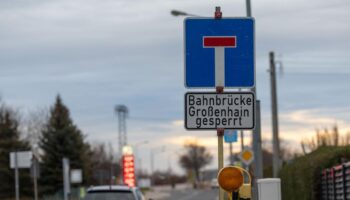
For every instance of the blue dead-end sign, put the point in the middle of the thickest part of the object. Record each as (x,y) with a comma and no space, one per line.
(227,41)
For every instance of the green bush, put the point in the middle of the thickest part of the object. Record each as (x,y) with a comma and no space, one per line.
(301,178)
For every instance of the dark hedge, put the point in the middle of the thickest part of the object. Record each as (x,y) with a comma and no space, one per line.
(301,178)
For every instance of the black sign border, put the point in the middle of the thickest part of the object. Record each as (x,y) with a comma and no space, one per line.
(254,110)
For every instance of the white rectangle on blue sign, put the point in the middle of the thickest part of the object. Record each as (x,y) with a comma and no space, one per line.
(235,36)
(230,136)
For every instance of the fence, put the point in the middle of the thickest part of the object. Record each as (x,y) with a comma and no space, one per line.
(335,183)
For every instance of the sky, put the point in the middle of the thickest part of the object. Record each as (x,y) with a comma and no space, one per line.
(98,54)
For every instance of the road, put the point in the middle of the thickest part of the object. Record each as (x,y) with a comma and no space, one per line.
(182,192)
(190,194)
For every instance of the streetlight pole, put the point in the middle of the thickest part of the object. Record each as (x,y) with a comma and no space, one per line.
(152,153)
(177,13)
(249,14)
(137,157)
(258,161)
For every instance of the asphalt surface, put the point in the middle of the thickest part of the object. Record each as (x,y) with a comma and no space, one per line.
(191,194)
(181,192)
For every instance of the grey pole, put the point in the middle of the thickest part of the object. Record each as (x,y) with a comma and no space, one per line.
(249,9)
(66,181)
(258,160)
(242,144)
(111,174)
(231,154)
(138,167)
(276,148)
(136,163)
(248,12)
(258,163)
(242,140)
(140,164)
(152,161)
(35,174)
(16,177)
(152,166)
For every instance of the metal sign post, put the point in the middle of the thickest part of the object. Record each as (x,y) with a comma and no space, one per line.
(35,177)
(16,176)
(35,171)
(219,84)
(231,153)
(66,179)
(230,136)
(219,53)
(19,160)
(220,134)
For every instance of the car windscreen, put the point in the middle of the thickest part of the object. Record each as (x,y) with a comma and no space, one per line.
(109,195)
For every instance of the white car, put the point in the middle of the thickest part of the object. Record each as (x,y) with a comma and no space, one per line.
(114,192)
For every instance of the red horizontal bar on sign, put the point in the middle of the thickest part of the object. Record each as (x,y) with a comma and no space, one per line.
(227,41)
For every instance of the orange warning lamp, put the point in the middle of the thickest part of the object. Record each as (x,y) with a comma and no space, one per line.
(230,178)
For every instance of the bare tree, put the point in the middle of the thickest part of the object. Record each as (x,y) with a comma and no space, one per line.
(195,158)
(103,164)
(287,152)
(34,123)
(345,140)
(325,138)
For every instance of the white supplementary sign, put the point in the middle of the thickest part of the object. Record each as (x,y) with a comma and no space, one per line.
(230,110)
(76,176)
(24,159)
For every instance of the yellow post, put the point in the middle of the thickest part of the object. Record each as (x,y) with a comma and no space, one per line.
(220,134)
